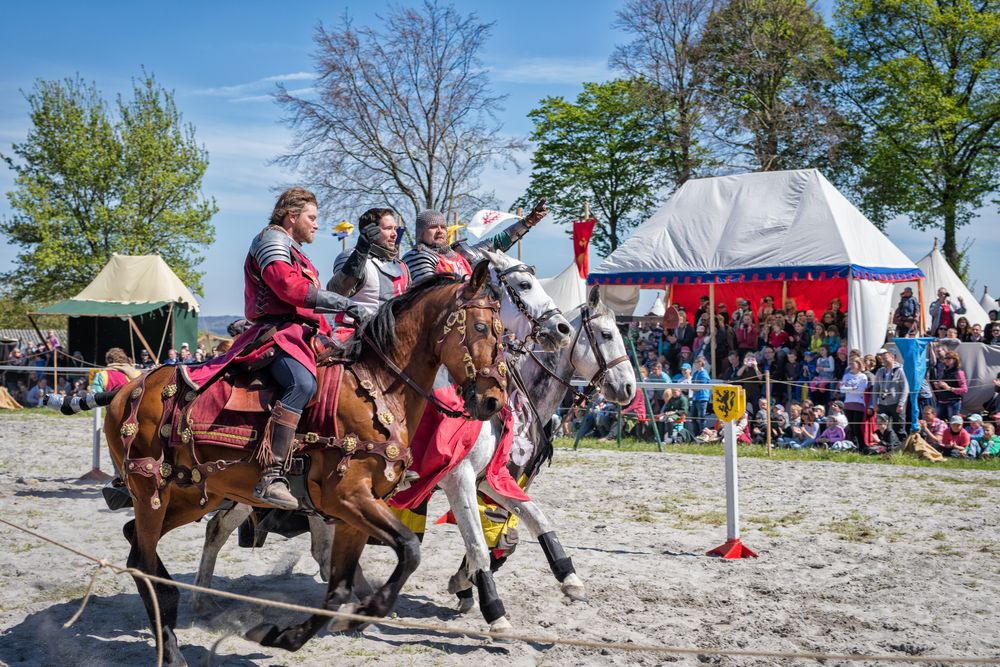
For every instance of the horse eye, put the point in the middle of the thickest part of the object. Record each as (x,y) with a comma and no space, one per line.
(480,327)
(525,286)
(606,334)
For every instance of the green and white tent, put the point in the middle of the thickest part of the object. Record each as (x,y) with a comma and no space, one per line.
(135,302)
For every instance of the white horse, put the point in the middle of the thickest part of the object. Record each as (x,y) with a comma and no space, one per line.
(527,312)
(598,354)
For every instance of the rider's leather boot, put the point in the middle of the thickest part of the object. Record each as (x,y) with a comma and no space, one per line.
(280,433)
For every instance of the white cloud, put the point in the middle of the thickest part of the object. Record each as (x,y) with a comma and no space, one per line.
(241,90)
(551,71)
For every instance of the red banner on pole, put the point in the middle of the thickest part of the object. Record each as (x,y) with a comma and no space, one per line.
(582,231)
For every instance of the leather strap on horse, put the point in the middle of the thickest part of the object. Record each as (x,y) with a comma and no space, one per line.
(401,374)
(603,366)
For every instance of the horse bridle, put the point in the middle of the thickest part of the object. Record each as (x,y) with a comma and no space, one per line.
(537,323)
(603,366)
(456,319)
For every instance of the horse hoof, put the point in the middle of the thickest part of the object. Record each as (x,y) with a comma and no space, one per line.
(501,625)
(465,605)
(573,588)
(344,624)
(264,634)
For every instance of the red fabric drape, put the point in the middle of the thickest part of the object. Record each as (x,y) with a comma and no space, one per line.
(812,295)
(582,231)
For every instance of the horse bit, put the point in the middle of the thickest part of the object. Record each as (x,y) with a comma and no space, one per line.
(603,366)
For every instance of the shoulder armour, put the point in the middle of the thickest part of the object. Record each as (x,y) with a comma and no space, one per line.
(271,245)
(420,263)
(342,258)
(473,254)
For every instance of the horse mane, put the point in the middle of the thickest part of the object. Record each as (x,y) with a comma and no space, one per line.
(380,330)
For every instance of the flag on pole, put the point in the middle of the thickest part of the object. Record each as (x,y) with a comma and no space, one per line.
(453,231)
(582,231)
(487,222)
(343,229)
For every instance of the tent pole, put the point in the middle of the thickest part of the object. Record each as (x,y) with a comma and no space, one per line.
(670,295)
(166,328)
(131,344)
(711,327)
(784,294)
(920,292)
(135,327)
(39,332)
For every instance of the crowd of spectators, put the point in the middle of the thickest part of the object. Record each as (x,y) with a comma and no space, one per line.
(822,393)
(76,377)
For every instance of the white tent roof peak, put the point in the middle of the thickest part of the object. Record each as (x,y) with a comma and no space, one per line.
(939,274)
(748,225)
(137,279)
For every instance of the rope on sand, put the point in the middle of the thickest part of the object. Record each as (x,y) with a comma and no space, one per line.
(149,580)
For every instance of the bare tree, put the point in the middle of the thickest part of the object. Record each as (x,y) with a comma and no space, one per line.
(662,53)
(402,114)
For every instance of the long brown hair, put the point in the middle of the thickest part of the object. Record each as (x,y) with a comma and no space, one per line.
(292,200)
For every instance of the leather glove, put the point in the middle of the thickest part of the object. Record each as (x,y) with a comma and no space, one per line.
(367,238)
(537,213)
(358,314)
(325,301)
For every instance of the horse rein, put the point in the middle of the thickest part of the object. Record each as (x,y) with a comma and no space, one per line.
(456,319)
(515,298)
(603,366)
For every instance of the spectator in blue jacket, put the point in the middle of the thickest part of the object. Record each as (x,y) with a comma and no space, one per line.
(699,404)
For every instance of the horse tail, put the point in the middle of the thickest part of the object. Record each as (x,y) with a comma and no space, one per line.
(71,406)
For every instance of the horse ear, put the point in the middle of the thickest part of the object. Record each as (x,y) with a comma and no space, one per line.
(480,276)
(594,298)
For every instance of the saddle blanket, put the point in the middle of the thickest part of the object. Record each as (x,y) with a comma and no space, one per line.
(234,416)
(440,443)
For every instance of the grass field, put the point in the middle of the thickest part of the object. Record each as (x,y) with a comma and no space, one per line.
(759,451)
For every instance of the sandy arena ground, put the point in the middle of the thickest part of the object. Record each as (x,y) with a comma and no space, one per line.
(853,559)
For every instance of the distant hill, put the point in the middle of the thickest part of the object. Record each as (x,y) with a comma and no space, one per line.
(217,324)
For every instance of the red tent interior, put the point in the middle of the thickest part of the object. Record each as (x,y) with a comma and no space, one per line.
(814,295)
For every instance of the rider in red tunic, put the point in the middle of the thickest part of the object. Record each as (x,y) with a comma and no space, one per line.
(282,290)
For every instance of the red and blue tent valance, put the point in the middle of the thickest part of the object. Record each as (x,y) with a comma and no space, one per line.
(722,276)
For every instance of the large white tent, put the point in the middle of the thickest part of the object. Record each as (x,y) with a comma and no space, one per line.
(937,274)
(786,234)
(567,289)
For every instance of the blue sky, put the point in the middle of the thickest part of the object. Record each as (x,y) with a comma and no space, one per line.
(223,59)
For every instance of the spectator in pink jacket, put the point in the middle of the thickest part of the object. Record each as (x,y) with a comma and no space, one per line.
(949,386)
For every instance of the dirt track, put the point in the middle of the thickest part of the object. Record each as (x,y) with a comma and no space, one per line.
(853,559)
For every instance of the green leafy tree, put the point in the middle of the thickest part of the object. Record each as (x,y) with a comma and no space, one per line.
(924,80)
(605,148)
(89,183)
(768,67)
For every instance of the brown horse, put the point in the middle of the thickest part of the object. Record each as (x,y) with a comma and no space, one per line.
(441,321)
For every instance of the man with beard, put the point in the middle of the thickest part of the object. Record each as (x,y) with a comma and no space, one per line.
(371,273)
(433,254)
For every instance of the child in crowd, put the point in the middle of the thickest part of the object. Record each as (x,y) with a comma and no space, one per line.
(778,338)
(824,376)
(834,436)
(832,338)
(819,333)
(990,446)
(793,374)
(883,438)
(955,439)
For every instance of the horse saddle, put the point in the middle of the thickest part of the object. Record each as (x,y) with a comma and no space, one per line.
(232,410)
